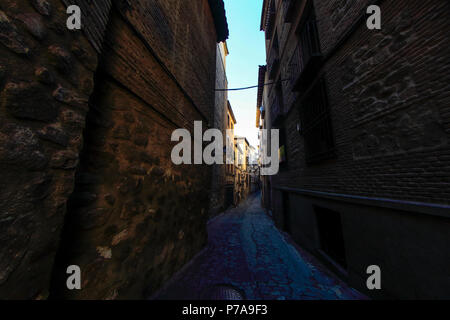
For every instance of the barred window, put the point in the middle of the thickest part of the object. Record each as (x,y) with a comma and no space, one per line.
(307,56)
(282,156)
(316,124)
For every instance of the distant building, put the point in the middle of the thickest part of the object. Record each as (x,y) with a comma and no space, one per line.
(253,170)
(239,173)
(364,124)
(218,200)
(230,179)
(244,145)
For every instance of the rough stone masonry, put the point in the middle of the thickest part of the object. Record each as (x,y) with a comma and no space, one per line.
(85,163)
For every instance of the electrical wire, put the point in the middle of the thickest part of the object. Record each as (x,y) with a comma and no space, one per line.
(251,87)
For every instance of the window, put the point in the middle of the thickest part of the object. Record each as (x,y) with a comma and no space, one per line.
(316,124)
(282,150)
(309,38)
(273,62)
(307,56)
(330,234)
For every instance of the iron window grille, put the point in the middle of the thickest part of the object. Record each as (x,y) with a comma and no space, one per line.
(316,124)
(277,108)
(307,55)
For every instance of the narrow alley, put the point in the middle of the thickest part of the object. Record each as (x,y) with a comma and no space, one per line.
(247,253)
(224,150)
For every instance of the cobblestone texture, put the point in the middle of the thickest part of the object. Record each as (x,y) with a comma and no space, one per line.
(246,251)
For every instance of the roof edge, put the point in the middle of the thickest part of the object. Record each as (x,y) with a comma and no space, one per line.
(231,111)
(220,19)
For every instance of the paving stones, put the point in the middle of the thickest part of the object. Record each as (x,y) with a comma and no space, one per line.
(246,252)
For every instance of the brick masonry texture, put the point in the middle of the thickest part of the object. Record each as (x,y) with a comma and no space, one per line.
(46,77)
(217,201)
(94,131)
(389,98)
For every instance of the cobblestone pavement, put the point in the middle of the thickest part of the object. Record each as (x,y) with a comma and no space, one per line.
(246,251)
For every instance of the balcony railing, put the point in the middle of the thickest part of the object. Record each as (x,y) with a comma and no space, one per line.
(306,56)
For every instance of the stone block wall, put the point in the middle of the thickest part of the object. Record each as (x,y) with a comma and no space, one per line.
(85,145)
(46,78)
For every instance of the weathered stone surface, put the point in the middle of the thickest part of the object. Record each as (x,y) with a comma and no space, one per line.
(42,6)
(104,252)
(44,75)
(34,189)
(87,57)
(157,172)
(148,158)
(40,186)
(110,199)
(28,101)
(61,59)
(124,140)
(138,170)
(9,36)
(71,98)
(119,237)
(13,243)
(64,160)
(55,135)
(130,185)
(34,24)
(141,140)
(73,119)
(122,132)
(19,146)
(128,117)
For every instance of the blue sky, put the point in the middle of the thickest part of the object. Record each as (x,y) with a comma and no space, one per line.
(247,52)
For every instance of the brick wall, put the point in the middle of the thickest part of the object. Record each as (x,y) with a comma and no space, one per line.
(133,213)
(389,99)
(217,201)
(388,94)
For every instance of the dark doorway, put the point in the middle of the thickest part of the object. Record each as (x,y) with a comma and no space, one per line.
(330,234)
(229,196)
